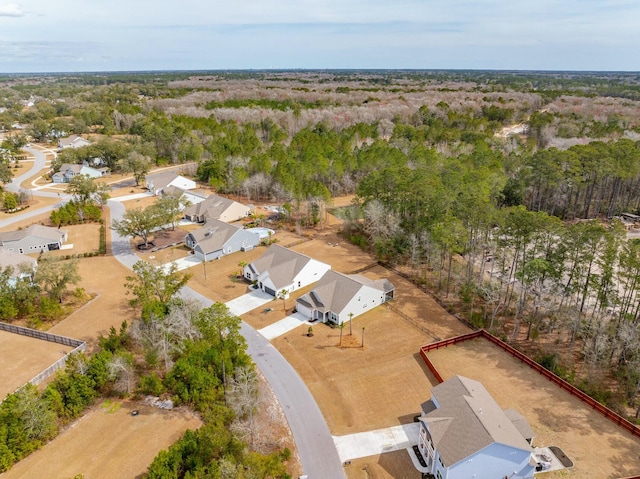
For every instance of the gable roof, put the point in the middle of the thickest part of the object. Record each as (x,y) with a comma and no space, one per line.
(213,207)
(161,180)
(467,420)
(334,290)
(38,231)
(213,235)
(13,259)
(281,264)
(73,141)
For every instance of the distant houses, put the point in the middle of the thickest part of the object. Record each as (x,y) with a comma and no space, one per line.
(34,239)
(280,269)
(464,433)
(217,239)
(72,141)
(168,182)
(68,171)
(216,207)
(338,298)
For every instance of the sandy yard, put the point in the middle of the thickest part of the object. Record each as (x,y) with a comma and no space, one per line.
(85,238)
(390,465)
(598,448)
(104,277)
(24,358)
(106,443)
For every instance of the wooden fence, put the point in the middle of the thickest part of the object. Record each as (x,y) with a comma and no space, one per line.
(574,391)
(76,344)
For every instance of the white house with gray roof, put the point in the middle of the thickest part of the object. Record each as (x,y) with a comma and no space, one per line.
(464,433)
(216,207)
(281,269)
(217,239)
(157,183)
(338,298)
(72,141)
(34,239)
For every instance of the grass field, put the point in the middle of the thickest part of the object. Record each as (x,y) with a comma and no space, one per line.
(106,443)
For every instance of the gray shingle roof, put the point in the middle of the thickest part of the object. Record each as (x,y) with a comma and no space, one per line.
(213,207)
(38,231)
(161,180)
(334,290)
(13,259)
(467,420)
(282,264)
(213,235)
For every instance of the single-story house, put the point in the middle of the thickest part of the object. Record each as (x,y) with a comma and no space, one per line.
(338,298)
(72,141)
(34,239)
(465,433)
(217,239)
(22,266)
(157,183)
(68,171)
(193,197)
(281,269)
(216,208)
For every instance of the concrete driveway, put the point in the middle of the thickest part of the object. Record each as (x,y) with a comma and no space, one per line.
(284,326)
(248,302)
(371,443)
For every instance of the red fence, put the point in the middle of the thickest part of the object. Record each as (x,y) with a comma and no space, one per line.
(574,391)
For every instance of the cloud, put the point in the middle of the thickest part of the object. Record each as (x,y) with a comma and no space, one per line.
(10,10)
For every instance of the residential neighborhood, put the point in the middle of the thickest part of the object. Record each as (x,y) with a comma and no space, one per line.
(280,271)
(328,274)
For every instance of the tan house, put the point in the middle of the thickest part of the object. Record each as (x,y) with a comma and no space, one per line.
(216,208)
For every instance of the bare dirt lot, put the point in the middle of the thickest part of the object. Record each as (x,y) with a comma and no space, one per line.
(23,358)
(381,385)
(106,443)
(105,278)
(390,465)
(598,448)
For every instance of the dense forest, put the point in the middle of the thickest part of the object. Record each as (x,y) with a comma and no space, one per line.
(510,195)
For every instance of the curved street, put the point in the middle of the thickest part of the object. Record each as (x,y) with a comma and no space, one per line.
(38,165)
(316,448)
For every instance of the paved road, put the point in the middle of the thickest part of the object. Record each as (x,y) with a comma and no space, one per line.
(14,186)
(317,451)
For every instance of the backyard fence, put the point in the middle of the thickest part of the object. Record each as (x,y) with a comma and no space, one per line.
(76,344)
(574,391)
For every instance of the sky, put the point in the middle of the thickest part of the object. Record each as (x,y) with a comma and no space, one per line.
(133,35)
